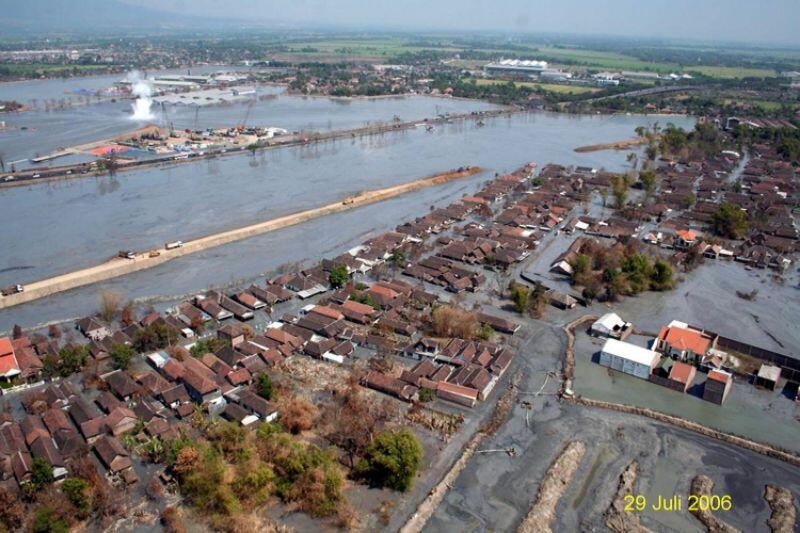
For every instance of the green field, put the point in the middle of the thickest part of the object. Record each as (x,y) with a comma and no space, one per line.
(549,87)
(733,72)
(566,57)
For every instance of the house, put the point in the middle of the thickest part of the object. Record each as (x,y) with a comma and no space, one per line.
(628,358)
(682,374)
(389,385)
(212,308)
(718,385)
(685,239)
(121,384)
(121,420)
(560,299)
(112,454)
(235,413)
(459,394)
(768,376)
(200,388)
(92,328)
(257,405)
(680,341)
(612,326)
(46,450)
(175,396)
(498,324)
(9,367)
(22,465)
(232,333)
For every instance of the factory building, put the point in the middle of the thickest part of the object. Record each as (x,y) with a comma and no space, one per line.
(518,65)
(628,358)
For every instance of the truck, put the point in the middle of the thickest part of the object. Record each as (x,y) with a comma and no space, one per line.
(173,245)
(11,289)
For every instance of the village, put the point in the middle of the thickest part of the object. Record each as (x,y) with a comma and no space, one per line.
(424,317)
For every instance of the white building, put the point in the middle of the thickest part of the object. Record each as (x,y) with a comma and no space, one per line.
(612,326)
(628,358)
(518,65)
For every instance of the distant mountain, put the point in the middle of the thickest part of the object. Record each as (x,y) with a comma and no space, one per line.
(97,16)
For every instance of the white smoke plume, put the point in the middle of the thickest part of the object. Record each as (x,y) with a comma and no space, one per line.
(141,88)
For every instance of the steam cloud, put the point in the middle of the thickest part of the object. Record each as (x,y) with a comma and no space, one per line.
(143,91)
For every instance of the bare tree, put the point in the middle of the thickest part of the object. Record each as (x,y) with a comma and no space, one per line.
(109,304)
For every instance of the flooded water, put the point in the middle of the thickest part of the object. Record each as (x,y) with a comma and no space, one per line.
(747,411)
(36,92)
(38,133)
(54,228)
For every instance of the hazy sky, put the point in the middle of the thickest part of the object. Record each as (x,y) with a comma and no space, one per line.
(771,21)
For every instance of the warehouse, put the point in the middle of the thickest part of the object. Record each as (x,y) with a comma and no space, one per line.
(518,65)
(628,358)
(612,326)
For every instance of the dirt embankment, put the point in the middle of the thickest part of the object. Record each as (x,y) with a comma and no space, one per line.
(617,145)
(429,505)
(784,512)
(554,484)
(617,519)
(702,486)
(764,449)
(569,358)
(118,266)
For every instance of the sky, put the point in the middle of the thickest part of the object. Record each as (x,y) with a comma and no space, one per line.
(755,21)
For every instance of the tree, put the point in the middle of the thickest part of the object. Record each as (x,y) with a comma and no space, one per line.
(53,332)
(41,473)
(121,355)
(661,276)
(264,386)
(154,337)
(45,520)
(392,460)
(75,489)
(454,321)
(12,511)
(520,295)
(204,346)
(127,315)
(338,276)
(426,395)
(632,158)
(397,258)
(297,414)
(729,221)
(619,188)
(71,359)
(109,304)
(648,179)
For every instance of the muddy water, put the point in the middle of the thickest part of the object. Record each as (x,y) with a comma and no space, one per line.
(54,228)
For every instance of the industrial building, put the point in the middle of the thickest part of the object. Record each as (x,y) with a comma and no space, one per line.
(628,358)
(518,65)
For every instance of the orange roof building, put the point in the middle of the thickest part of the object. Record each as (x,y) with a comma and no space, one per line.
(685,343)
(683,374)
(9,367)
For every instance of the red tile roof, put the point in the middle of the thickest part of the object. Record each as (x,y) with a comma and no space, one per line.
(8,362)
(681,372)
(685,339)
